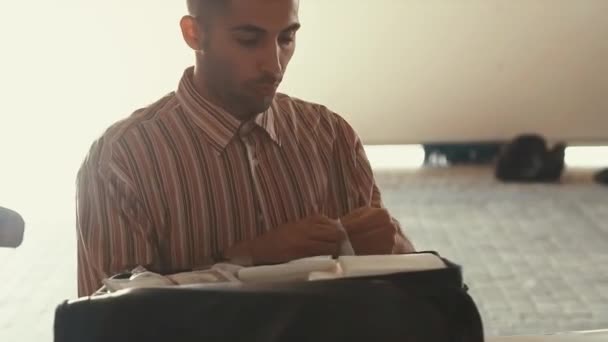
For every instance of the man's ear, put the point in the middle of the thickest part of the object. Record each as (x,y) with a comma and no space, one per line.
(193,35)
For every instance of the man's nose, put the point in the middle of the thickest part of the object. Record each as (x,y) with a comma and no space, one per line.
(270,60)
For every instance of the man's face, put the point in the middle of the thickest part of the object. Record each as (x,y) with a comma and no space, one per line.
(246,52)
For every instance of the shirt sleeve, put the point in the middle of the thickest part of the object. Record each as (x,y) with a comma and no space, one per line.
(359,181)
(113,232)
(353,168)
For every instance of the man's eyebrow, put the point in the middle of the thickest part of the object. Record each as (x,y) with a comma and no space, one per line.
(292,28)
(256,29)
(248,29)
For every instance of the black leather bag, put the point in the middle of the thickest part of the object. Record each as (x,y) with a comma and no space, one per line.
(528,159)
(417,306)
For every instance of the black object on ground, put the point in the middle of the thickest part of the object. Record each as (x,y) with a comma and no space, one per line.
(602,177)
(528,159)
(463,153)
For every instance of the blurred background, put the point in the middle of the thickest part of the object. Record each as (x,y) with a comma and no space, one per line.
(404,73)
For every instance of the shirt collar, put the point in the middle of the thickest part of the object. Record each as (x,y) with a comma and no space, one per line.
(219,126)
(269,121)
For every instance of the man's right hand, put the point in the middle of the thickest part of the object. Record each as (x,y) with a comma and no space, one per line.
(312,236)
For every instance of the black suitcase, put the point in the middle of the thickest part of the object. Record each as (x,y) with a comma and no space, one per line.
(416,306)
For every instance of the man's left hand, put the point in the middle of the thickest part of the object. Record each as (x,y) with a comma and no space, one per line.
(371,231)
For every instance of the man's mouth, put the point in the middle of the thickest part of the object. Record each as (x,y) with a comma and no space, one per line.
(266,88)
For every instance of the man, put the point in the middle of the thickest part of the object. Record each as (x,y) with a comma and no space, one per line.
(225,168)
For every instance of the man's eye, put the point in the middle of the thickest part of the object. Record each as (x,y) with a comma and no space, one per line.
(286,40)
(247,42)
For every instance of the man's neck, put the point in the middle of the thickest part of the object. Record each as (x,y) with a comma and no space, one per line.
(205,91)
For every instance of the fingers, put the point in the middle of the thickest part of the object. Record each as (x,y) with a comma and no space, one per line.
(354,215)
(366,219)
(322,248)
(374,242)
(321,228)
(328,232)
(318,219)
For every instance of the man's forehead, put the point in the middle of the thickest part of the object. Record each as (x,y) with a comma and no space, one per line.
(270,15)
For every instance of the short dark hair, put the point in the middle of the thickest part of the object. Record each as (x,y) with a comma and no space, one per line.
(205,9)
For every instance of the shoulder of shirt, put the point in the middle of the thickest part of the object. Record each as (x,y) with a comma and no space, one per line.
(290,105)
(293,108)
(102,153)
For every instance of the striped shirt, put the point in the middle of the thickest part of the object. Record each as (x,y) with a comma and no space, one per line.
(178,182)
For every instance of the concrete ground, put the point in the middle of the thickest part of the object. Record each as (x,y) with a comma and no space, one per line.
(535,257)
